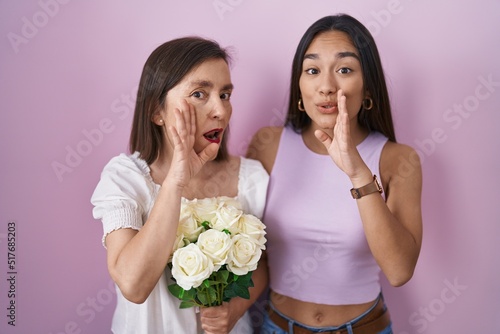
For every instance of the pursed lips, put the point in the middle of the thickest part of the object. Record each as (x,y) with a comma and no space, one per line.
(327,107)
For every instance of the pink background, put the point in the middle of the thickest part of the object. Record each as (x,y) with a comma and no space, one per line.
(69,71)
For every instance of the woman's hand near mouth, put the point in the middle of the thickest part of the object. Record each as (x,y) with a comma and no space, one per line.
(341,147)
(185,161)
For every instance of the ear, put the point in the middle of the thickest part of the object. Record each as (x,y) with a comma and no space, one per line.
(157,118)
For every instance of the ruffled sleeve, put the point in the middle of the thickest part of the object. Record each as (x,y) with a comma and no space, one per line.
(252,186)
(123,195)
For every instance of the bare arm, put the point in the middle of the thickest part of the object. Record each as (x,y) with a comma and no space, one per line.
(394,228)
(136,259)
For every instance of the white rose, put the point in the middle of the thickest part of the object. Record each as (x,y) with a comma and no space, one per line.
(188,225)
(229,201)
(188,207)
(190,267)
(205,209)
(227,218)
(216,246)
(254,228)
(244,255)
(179,242)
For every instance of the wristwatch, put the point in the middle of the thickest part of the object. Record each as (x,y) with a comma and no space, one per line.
(371,187)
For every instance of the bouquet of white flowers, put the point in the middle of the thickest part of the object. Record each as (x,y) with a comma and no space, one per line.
(217,248)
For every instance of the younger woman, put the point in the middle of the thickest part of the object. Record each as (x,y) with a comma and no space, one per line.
(339,210)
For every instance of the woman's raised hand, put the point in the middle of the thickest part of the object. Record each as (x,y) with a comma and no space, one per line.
(341,147)
(186,162)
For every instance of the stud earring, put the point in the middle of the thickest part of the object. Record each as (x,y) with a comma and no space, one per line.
(300,105)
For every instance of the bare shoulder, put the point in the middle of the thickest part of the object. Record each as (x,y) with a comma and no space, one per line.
(264,146)
(400,165)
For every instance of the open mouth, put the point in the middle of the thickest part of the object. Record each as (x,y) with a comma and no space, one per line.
(213,136)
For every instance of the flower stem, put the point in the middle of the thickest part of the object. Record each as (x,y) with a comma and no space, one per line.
(208,297)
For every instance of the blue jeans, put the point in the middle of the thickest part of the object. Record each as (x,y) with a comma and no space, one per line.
(269,327)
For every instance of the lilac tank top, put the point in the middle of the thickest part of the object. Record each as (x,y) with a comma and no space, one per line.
(317,249)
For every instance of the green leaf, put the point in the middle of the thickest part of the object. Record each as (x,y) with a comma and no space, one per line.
(238,286)
(245,280)
(187,304)
(226,231)
(206,283)
(176,290)
(241,292)
(213,282)
(208,297)
(189,294)
(222,276)
(236,290)
(206,225)
(231,277)
(229,292)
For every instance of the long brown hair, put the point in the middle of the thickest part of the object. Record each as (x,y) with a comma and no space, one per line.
(164,69)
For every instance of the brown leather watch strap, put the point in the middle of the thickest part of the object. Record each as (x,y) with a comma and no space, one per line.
(371,187)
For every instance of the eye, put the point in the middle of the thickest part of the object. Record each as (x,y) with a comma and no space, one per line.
(225,96)
(344,70)
(198,94)
(312,71)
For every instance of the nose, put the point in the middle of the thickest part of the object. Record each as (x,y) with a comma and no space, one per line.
(220,109)
(328,85)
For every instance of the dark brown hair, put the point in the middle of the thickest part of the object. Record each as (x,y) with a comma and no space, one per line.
(379,118)
(164,69)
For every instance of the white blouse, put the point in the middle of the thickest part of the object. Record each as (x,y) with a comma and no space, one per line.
(123,198)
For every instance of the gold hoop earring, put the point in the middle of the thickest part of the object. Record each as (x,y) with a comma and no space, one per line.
(370,104)
(300,105)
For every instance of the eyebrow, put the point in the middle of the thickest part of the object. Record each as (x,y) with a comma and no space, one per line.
(209,84)
(346,54)
(340,55)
